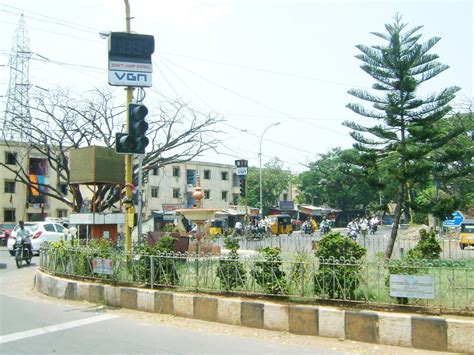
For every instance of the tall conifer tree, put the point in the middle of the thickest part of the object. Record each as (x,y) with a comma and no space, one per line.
(406,131)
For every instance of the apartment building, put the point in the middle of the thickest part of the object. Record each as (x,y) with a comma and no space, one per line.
(167,188)
(17,201)
(172,186)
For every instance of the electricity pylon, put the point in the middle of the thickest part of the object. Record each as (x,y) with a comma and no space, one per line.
(17,119)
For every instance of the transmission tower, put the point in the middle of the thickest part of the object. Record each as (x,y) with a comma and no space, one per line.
(17,119)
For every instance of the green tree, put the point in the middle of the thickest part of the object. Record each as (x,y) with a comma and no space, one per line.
(334,180)
(407,131)
(275,180)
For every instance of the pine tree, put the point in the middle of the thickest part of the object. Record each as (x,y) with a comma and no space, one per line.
(407,130)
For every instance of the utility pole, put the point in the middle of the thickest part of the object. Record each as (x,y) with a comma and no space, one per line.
(130,211)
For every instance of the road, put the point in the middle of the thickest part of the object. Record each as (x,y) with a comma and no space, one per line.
(375,244)
(33,323)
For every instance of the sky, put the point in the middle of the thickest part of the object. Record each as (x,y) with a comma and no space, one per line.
(254,63)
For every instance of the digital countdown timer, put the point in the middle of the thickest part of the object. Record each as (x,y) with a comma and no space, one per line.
(131,45)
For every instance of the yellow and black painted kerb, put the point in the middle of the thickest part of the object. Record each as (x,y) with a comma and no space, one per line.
(423,332)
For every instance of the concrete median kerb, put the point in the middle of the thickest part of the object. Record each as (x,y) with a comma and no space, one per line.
(424,332)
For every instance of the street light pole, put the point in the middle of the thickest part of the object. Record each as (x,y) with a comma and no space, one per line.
(260,159)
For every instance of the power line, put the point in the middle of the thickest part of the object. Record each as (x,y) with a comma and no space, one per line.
(85,28)
(251,99)
(250,67)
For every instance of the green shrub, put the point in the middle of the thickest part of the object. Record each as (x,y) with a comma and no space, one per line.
(268,273)
(231,271)
(338,275)
(427,248)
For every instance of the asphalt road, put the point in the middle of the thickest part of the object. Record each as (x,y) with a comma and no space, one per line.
(32,323)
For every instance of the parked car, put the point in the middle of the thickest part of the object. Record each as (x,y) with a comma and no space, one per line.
(40,232)
(5,231)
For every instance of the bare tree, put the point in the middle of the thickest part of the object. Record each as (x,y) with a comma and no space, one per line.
(61,122)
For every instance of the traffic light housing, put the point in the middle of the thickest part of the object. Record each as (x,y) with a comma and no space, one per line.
(242,187)
(135,141)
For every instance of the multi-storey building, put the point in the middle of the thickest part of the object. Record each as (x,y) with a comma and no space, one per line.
(17,201)
(172,186)
(167,188)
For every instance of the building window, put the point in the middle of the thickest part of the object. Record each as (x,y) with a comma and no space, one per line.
(224,175)
(9,215)
(154,171)
(207,174)
(62,213)
(176,193)
(207,194)
(154,192)
(176,171)
(63,187)
(224,195)
(285,197)
(9,187)
(10,158)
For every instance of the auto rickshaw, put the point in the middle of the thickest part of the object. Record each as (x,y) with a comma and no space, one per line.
(280,224)
(218,227)
(466,236)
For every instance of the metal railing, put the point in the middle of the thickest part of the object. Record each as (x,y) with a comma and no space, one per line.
(375,244)
(295,276)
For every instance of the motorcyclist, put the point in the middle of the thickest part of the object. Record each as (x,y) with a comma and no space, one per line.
(325,225)
(353,228)
(23,235)
(239,228)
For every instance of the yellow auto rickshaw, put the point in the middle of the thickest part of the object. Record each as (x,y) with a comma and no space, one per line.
(466,236)
(280,224)
(218,227)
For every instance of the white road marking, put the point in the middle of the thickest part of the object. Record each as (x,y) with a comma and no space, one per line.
(54,328)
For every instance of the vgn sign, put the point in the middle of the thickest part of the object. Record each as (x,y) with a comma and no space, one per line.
(130,59)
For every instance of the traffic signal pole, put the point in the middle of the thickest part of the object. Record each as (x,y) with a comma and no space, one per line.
(129,210)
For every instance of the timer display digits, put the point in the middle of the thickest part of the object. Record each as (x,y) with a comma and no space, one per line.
(131,45)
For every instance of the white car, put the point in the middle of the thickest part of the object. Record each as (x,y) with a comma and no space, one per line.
(40,232)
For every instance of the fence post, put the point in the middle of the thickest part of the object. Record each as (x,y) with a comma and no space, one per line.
(302,278)
(152,272)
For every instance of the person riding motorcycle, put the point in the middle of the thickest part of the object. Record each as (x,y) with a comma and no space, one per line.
(239,228)
(325,226)
(23,235)
(353,229)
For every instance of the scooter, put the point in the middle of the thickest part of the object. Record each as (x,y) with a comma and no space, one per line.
(307,229)
(22,253)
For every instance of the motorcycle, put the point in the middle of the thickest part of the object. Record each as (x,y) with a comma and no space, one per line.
(325,230)
(353,234)
(307,229)
(373,229)
(22,253)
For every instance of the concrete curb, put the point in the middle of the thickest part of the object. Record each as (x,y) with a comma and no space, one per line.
(414,331)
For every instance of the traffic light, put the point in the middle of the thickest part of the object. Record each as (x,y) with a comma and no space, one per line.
(135,140)
(242,187)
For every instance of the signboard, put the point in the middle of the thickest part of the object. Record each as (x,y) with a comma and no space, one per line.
(412,286)
(241,171)
(171,206)
(103,266)
(287,205)
(457,220)
(130,59)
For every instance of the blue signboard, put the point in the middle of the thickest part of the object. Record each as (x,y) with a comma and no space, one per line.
(458,218)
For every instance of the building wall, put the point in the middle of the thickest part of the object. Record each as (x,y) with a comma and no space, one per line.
(20,200)
(212,182)
(163,183)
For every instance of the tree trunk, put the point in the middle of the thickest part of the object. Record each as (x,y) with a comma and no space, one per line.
(396,221)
